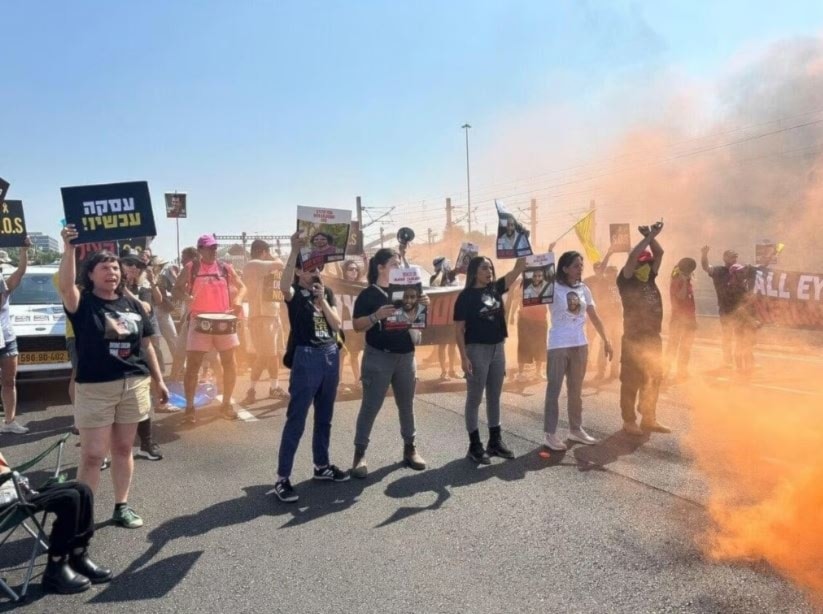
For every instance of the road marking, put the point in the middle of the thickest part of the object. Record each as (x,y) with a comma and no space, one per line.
(246,416)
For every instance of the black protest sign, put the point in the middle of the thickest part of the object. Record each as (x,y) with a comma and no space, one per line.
(4,189)
(109,212)
(355,239)
(620,237)
(175,205)
(12,224)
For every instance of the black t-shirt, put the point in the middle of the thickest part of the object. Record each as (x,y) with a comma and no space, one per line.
(308,323)
(395,341)
(109,335)
(642,306)
(729,293)
(482,311)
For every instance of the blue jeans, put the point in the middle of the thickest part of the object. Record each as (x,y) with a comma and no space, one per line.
(314,377)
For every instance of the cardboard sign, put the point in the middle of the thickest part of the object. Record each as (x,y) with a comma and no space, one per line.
(620,238)
(512,236)
(355,239)
(766,253)
(12,224)
(465,255)
(4,189)
(405,290)
(327,235)
(175,204)
(538,280)
(109,212)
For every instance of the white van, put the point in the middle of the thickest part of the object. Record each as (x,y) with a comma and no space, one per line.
(38,319)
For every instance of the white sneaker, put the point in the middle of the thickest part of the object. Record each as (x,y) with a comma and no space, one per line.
(13,427)
(581,436)
(553,442)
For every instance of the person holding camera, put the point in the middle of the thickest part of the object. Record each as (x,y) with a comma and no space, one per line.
(388,359)
(315,370)
(641,364)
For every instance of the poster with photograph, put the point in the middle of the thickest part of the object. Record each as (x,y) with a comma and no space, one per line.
(465,255)
(12,224)
(405,290)
(538,280)
(175,204)
(327,235)
(620,238)
(109,211)
(512,236)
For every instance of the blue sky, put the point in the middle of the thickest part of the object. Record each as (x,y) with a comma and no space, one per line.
(254,108)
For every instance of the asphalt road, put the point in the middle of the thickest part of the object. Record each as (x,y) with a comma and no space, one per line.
(609,528)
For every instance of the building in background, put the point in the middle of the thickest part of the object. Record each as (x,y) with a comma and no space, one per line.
(44,242)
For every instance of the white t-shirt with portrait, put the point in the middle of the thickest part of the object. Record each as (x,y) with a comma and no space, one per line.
(568,311)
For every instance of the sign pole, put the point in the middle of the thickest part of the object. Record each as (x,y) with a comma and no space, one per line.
(177,220)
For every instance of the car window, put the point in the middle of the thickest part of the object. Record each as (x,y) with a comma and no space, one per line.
(35,289)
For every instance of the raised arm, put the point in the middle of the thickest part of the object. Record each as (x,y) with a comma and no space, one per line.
(512,275)
(649,236)
(67,273)
(704,259)
(288,271)
(13,280)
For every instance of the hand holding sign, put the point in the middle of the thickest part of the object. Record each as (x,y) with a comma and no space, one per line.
(12,224)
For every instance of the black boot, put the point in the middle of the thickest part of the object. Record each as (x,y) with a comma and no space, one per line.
(412,459)
(82,564)
(496,446)
(359,469)
(477,453)
(59,577)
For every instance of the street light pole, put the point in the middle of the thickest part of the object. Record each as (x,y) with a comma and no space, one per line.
(466,127)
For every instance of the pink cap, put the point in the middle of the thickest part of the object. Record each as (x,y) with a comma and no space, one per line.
(206,241)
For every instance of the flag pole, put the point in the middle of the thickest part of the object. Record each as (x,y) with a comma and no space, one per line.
(573,226)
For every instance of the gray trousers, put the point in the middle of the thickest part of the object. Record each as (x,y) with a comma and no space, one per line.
(488,370)
(568,363)
(378,370)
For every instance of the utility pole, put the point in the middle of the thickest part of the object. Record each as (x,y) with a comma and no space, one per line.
(533,238)
(466,127)
(382,239)
(430,236)
(359,214)
(448,214)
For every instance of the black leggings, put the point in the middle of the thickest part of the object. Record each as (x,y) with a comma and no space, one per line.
(72,504)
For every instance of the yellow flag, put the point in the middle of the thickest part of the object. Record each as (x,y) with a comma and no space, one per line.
(585,232)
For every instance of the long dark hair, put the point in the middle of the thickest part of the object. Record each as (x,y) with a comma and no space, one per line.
(380,258)
(471,270)
(84,279)
(566,259)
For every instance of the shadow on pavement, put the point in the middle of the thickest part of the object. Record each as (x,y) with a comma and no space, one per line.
(152,582)
(462,472)
(608,450)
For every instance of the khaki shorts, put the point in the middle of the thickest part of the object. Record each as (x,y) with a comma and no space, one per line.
(263,332)
(125,401)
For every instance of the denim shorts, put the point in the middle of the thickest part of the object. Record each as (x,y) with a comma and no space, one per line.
(10,350)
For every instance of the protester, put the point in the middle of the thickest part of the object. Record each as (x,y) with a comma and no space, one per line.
(189,254)
(607,298)
(683,322)
(352,344)
(641,368)
(480,333)
(568,349)
(135,282)
(165,275)
(207,285)
(745,319)
(263,318)
(9,352)
(388,359)
(445,277)
(69,568)
(532,329)
(315,371)
(728,298)
(115,359)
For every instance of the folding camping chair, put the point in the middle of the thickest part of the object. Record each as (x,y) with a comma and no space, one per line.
(20,513)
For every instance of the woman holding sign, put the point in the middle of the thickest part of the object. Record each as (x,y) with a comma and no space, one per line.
(315,370)
(388,359)
(9,352)
(115,366)
(568,349)
(480,332)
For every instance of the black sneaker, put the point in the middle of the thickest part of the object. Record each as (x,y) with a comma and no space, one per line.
(285,492)
(150,451)
(331,472)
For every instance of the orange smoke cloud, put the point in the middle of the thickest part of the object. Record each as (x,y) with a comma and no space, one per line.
(762,455)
